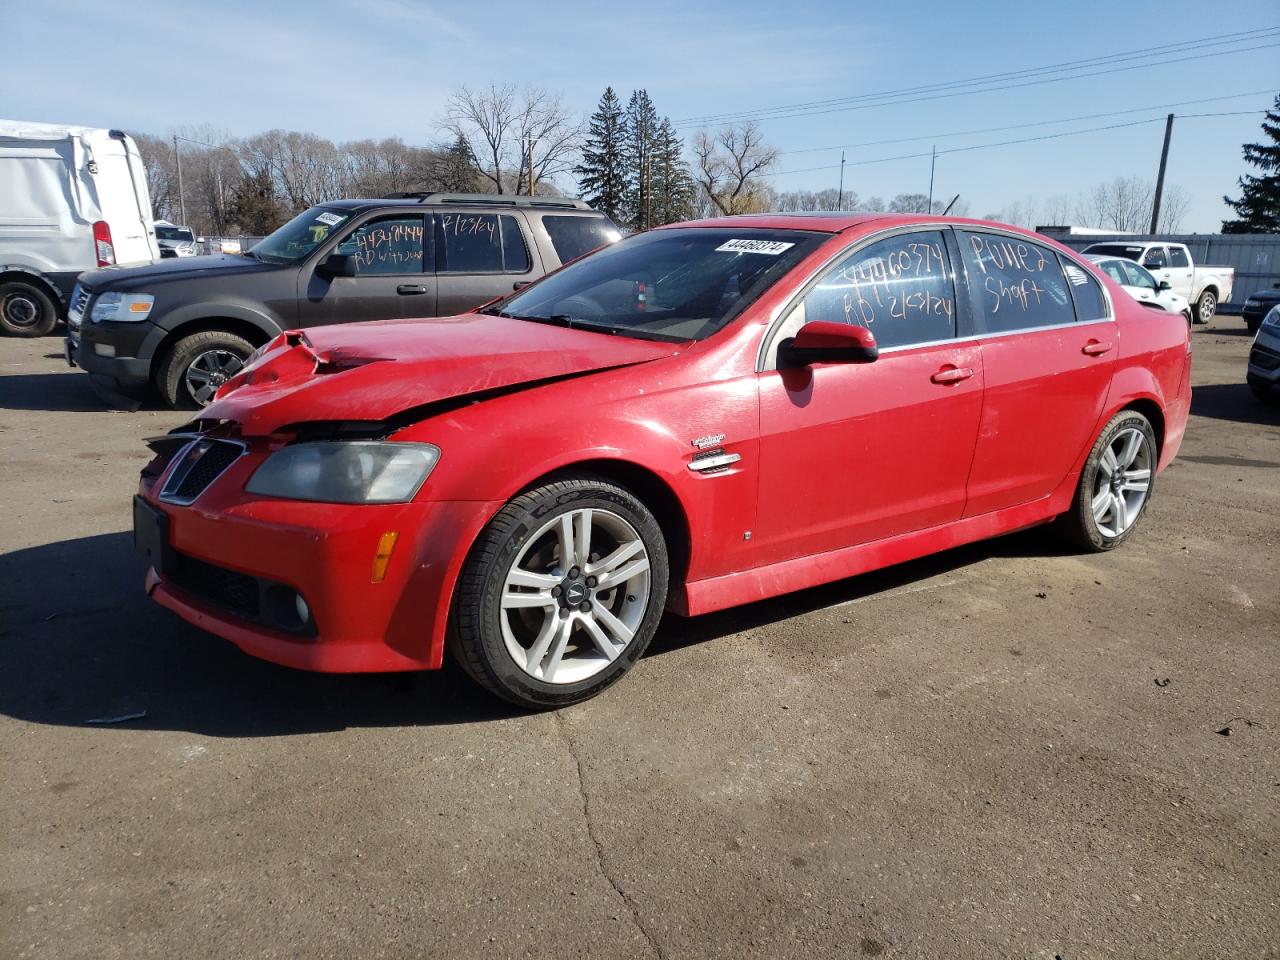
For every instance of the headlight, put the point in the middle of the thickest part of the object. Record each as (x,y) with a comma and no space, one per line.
(1251,302)
(121,307)
(1272,319)
(346,472)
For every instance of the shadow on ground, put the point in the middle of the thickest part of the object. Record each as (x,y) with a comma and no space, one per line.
(79,640)
(1232,401)
(68,391)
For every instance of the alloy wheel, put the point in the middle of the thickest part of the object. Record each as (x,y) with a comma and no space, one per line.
(1208,304)
(575,596)
(1122,482)
(210,370)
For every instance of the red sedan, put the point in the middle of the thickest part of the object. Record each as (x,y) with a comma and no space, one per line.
(696,417)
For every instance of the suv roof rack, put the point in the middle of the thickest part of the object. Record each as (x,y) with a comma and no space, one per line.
(492,199)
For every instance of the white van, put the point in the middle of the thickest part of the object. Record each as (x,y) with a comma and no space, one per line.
(71,199)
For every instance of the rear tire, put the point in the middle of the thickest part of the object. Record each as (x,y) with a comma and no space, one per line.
(543,623)
(26,310)
(199,364)
(1206,306)
(1115,485)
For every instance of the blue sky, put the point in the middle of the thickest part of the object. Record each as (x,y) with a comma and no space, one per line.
(375,68)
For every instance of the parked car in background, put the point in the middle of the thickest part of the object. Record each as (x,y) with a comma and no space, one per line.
(1141,285)
(1203,287)
(1264,358)
(186,326)
(71,199)
(175,241)
(698,416)
(1258,305)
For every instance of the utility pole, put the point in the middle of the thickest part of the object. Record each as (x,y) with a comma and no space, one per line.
(840,202)
(648,193)
(933,161)
(1164,161)
(182,196)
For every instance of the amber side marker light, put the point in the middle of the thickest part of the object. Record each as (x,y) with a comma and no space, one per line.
(382,556)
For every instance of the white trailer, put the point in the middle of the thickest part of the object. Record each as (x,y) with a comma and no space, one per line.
(71,199)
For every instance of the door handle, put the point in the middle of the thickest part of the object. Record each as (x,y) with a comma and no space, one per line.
(1095,348)
(520,284)
(952,375)
(410,289)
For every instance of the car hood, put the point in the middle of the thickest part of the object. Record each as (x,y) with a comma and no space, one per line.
(400,368)
(142,276)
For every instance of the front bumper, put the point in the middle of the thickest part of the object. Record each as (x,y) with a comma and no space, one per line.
(1264,360)
(118,355)
(325,552)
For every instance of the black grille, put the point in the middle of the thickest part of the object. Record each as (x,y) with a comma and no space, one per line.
(1264,357)
(80,299)
(199,466)
(226,588)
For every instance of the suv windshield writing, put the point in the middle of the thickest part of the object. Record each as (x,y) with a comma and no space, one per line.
(681,284)
(300,236)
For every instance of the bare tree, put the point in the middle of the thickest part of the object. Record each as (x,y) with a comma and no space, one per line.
(730,165)
(1173,208)
(1123,205)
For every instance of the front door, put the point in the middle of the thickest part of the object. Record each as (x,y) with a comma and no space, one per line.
(1048,352)
(852,453)
(394,278)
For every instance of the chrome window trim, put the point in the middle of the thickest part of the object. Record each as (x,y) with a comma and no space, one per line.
(170,475)
(1088,266)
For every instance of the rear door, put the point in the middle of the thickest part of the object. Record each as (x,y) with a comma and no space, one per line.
(1049,346)
(1180,273)
(121,186)
(394,277)
(480,256)
(851,453)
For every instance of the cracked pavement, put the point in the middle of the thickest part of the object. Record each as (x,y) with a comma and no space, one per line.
(966,756)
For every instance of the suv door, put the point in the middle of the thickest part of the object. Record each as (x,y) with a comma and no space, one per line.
(480,256)
(394,278)
(851,453)
(1047,372)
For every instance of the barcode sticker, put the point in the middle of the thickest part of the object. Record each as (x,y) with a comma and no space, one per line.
(768,247)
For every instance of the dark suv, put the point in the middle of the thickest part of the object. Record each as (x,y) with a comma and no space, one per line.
(187,325)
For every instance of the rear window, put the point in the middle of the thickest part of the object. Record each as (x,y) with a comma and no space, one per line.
(574,236)
(1127,251)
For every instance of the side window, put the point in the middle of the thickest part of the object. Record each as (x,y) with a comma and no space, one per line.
(1015,284)
(388,246)
(1090,302)
(1178,257)
(1139,277)
(482,243)
(901,289)
(573,236)
(1155,259)
(1115,270)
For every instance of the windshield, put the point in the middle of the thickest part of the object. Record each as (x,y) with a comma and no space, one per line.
(300,236)
(679,284)
(174,233)
(1128,252)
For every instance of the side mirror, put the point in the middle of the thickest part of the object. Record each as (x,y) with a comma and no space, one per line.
(337,265)
(822,341)
(1165,285)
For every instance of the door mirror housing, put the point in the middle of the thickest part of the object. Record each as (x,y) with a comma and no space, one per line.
(821,341)
(337,265)
(1164,285)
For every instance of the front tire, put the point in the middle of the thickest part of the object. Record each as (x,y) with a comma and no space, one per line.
(1115,485)
(26,310)
(197,365)
(561,594)
(1206,306)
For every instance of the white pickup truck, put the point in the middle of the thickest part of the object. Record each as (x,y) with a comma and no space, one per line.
(1203,287)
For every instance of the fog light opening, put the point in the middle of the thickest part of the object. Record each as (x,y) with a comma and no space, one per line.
(300,607)
(382,556)
(287,609)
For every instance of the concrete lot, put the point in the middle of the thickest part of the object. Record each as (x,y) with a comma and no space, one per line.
(1005,751)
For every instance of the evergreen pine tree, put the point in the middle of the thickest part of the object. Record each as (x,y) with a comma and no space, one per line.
(254,207)
(673,187)
(601,175)
(641,127)
(457,171)
(1258,209)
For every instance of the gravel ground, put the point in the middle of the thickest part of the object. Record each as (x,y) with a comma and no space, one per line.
(1007,750)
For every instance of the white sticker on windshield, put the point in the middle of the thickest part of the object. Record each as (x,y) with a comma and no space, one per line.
(332,219)
(769,247)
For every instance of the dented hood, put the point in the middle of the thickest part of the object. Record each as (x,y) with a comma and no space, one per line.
(373,371)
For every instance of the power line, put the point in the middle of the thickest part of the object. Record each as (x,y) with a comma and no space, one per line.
(1106,59)
(1005,143)
(1021,126)
(1000,87)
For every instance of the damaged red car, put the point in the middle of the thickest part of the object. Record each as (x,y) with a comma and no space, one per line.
(696,417)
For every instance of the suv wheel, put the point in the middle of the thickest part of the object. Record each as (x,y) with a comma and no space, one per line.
(561,594)
(198,365)
(26,310)
(1206,306)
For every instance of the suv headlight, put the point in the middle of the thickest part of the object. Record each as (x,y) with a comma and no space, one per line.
(119,307)
(346,471)
(1272,319)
